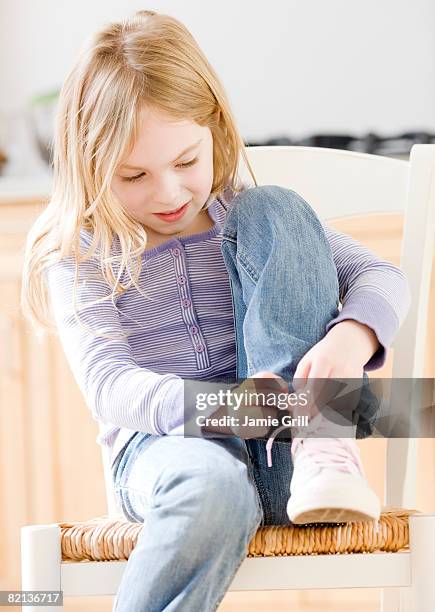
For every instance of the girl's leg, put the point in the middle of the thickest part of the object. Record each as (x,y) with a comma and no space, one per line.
(283,278)
(200,510)
(285,291)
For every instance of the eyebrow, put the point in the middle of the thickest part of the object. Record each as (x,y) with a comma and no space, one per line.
(187,150)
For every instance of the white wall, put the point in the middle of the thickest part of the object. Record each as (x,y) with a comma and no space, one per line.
(290,67)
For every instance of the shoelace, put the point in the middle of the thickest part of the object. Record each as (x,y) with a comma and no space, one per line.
(327,452)
(271,441)
(314,424)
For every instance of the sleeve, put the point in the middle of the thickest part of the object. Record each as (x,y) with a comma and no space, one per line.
(116,389)
(372,291)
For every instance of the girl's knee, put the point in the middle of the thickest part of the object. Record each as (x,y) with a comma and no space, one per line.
(274,202)
(223,491)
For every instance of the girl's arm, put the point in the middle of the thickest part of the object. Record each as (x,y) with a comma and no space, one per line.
(116,389)
(373,292)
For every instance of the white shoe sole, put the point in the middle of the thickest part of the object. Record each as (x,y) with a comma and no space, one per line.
(342,504)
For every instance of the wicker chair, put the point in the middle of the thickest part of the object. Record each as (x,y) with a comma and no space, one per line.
(89,558)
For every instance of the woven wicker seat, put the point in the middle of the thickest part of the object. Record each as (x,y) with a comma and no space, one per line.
(108,539)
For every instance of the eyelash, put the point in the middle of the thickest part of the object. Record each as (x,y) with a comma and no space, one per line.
(132,179)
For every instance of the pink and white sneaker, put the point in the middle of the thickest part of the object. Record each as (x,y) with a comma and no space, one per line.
(328,483)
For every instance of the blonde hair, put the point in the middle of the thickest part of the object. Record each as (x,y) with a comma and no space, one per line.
(150,59)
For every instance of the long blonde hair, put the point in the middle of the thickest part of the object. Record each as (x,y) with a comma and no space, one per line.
(150,59)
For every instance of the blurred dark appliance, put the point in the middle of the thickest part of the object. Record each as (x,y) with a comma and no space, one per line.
(369,143)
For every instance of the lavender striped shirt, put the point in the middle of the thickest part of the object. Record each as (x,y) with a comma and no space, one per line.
(180,324)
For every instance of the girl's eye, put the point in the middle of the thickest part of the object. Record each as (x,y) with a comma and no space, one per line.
(189,163)
(131,179)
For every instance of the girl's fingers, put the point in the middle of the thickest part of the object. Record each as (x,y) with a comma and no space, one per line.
(301,374)
(271,375)
(311,386)
(254,430)
(301,370)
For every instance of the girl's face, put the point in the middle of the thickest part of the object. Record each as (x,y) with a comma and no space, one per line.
(171,165)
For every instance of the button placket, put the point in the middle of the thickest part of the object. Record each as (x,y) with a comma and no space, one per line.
(188,311)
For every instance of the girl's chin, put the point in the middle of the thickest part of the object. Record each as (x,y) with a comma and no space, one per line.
(166,230)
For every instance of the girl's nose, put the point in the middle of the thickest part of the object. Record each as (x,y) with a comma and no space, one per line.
(166,192)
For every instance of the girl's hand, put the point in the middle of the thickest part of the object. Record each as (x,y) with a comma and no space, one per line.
(270,383)
(341,354)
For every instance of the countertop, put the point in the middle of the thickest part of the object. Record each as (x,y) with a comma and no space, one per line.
(21,188)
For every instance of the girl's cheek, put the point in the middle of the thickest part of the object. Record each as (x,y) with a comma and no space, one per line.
(119,190)
(130,197)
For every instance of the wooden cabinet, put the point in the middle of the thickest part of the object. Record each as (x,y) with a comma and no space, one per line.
(50,465)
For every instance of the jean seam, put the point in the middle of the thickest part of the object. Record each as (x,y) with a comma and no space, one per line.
(120,459)
(252,479)
(265,501)
(266,498)
(127,507)
(132,489)
(248,268)
(129,464)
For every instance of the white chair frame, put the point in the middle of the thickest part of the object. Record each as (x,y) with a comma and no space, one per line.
(336,184)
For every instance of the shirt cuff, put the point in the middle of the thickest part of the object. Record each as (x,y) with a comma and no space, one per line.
(372,310)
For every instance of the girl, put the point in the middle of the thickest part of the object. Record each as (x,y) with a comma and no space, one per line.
(157,267)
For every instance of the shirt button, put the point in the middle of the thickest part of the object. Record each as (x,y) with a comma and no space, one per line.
(181,280)
(199,348)
(193,329)
(176,252)
(186,302)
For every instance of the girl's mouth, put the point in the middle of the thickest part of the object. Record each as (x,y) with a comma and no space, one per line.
(174,216)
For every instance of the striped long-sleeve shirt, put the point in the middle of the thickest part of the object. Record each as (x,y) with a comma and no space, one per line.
(179,324)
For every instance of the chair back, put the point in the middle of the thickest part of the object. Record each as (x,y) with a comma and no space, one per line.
(340,184)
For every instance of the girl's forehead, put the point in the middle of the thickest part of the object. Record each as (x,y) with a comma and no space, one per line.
(161,139)
(164,134)
(151,119)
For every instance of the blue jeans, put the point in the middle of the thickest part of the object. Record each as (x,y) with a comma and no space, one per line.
(202,500)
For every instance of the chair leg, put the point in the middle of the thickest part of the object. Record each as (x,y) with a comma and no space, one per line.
(40,562)
(422,547)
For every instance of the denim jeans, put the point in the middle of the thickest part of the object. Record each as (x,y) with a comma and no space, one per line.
(202,500)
